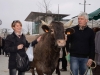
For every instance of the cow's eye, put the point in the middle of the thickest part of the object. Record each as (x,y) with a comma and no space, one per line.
(52,31)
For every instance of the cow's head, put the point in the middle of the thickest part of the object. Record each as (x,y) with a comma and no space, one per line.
(57,30)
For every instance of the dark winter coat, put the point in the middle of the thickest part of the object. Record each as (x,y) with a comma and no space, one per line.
(11,43)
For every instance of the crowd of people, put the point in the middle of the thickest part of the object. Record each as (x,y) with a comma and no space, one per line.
(84,47)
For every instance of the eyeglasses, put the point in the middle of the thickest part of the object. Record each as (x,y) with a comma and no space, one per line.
(16,21)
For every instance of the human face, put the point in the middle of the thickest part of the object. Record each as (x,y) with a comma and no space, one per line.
(17,28)
(82,21)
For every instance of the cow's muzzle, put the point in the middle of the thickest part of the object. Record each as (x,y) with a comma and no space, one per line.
(61,43)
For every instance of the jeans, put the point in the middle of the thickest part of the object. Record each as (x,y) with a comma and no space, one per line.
(78,65)
(13,72)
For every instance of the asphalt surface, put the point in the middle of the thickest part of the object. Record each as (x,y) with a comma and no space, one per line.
(5,71)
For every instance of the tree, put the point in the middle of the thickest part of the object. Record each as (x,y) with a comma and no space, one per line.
(28,29)
(44,4)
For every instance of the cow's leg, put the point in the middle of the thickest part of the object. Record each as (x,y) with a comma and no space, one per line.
(32,71)
(57,71)
(49,74)
(57,68)
(39,71)
(32,66)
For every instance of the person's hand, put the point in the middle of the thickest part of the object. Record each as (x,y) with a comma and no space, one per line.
(89,63)
(67,53)
(20,46)
(38,39)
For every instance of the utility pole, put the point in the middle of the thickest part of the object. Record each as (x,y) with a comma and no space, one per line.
(84,5)
(58,12)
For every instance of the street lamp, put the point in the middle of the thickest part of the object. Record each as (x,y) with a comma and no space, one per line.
(84,5)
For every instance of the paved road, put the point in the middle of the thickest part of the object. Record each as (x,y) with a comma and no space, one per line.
(4,67)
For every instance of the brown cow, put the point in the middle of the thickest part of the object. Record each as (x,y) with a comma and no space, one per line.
(46,52)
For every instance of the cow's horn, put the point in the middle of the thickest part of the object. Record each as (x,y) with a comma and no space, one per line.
(69,24)
(44,23)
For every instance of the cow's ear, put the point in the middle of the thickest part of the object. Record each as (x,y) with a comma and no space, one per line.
(69,31)
(45,28)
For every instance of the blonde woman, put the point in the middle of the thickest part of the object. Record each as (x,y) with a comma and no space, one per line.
(16,43)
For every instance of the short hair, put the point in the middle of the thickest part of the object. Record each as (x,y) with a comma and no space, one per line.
(84,14)
(14,23)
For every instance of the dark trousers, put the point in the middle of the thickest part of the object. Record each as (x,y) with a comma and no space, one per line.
(13,72)
(57,68)
(63,59)
(0,51)
(3,52)
(64,63)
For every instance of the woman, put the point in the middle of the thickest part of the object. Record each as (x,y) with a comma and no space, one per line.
(16,43)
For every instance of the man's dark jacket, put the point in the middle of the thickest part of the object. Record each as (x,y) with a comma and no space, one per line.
(82,43)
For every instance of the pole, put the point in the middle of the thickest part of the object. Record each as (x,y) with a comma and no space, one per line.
(84,5)
(58,12)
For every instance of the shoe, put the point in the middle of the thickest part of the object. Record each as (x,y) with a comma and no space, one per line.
(63,69)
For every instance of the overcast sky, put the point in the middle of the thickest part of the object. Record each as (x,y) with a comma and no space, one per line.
(19,9)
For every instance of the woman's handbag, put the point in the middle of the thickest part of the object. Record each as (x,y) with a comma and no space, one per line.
(22,63)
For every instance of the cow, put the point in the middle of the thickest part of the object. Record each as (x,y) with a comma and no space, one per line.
(46,51)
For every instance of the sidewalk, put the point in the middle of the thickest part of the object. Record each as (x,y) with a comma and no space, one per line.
(5,71)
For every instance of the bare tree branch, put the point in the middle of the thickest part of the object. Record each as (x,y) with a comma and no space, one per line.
(28,29)
(45,4)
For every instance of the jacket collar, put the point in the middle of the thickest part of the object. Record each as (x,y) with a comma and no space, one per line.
(82,28)
(14,35)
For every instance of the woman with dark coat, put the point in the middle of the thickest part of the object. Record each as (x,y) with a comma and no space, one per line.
(16,43)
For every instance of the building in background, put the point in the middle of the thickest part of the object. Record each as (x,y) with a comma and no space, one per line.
(36,17)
